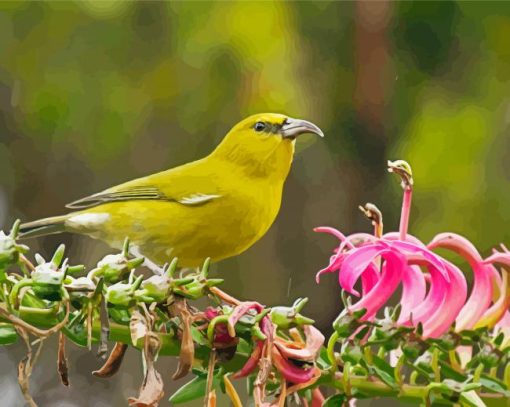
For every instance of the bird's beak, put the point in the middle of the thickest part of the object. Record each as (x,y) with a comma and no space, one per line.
(294,127)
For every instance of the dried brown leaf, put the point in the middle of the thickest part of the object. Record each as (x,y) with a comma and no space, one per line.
(24,382)
(112,365)
(265,366)
(152,387)
(187,354)
(26,365)
(137,326)
(62,360)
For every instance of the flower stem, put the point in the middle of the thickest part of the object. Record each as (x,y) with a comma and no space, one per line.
(331,350)
(406,210)
(404,171)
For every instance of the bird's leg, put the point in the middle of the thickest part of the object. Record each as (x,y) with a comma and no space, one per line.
(135,251)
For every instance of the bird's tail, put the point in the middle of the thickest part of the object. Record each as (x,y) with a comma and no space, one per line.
(41,227)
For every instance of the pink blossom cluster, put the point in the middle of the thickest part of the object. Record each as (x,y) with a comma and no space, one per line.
(435,291)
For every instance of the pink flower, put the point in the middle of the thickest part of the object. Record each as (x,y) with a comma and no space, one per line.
(434,291)
(481,294)
(284,353)
(400,262)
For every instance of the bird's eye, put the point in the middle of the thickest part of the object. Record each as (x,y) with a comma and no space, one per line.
(259,126)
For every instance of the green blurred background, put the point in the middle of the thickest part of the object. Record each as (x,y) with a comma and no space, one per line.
(95,93)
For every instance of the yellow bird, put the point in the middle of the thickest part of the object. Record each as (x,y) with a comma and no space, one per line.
(215,207)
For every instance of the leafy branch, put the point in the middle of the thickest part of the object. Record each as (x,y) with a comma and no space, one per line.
(443,343)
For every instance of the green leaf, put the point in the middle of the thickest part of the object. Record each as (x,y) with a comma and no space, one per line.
(334,401)
(450,373)
(119,314)
(243,347)
(192,390)
(198,337)
(384,371)
(8,334)
(77,333)
(494,385)
(322,360)
(471,399)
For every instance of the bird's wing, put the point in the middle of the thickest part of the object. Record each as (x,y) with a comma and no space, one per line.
(133,193)
(183,184)
(139,193)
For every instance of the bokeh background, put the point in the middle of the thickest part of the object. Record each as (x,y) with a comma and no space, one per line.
(94,93)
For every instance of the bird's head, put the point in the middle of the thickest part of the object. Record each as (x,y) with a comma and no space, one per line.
(263,144)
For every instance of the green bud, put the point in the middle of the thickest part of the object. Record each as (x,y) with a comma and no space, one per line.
(123,293)
(212,282)
(58,256)
(289,317)
(169,270)
(346,323)
(205,267)
(115,267)
(9,250)
(119,294)
(154,289)
(183,281)
(47,282)
(125,247)
(192,291)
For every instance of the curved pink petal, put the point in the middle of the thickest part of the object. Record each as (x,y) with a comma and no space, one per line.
(455,297)
(502,258)
(369,278)
(409,238)
(290,371)
(414,289)
(267,327)
(502,284)
(438,287)
(355,264)
(422,251)
(331,231)
(481,295)
(334,265)
(314,341)
(391,276)
(252,362)
(497,311)
(238,313)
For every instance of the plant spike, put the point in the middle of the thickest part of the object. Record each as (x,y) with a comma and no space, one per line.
(373,214)
(56,260)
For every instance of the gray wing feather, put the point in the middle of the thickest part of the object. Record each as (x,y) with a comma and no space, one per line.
(137,193)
